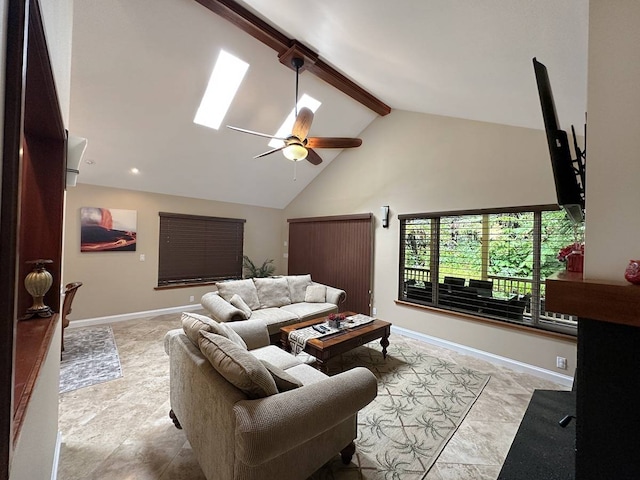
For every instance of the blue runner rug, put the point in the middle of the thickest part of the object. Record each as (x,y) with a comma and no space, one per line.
(90,357)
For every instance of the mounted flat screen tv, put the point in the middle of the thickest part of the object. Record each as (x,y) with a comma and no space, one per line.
(569,189)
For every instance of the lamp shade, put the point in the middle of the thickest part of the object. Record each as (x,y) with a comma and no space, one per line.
(295,152)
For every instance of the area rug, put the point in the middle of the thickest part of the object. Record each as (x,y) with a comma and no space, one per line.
(420,404)
(90,356)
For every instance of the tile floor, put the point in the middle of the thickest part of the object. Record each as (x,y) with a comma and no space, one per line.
(120,429)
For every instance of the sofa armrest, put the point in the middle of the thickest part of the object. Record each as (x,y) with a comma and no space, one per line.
(295,416)
(253,332)
(220,309)
(335,295)
(167,339)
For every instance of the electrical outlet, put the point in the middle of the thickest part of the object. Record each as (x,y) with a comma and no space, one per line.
(561,362)
(142,257)
(374,311)
(191,298)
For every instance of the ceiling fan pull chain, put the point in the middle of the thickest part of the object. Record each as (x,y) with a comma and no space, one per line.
(295,178)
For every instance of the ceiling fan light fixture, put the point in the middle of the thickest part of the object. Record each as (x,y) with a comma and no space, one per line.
(295,152)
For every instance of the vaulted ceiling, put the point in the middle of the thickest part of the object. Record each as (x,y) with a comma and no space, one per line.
(139,69)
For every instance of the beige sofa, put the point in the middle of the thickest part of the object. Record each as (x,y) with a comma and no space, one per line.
(243,423)
(274,301)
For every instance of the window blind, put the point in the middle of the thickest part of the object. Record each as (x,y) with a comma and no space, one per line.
(489,263)
(198,249)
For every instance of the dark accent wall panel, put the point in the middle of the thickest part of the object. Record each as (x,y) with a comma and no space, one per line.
(337,251)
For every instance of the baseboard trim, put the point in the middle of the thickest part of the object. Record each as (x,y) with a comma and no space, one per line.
(88,322)
(539,372)
(56,457)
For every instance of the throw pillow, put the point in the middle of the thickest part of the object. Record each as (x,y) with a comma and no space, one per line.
(231,334)
(284,381)
(272,292)
(238,302)
(237,365)
(245,288)
(297,286)
(193,323)
(315,294)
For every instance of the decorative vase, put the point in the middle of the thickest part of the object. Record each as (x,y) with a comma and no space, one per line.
(38,282)
(632,273)
(334,323)
(575,261)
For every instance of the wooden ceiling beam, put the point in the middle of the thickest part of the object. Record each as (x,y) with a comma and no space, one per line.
(288,48)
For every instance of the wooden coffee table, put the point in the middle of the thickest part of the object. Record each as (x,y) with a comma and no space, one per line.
(325,348)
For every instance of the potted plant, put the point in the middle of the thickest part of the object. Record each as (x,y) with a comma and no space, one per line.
(335,320)
(252,271)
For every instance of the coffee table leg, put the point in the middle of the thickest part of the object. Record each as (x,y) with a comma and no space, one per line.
(322,366)
(384,341)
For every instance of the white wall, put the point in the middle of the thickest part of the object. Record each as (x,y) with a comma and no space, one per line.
(425,163)
(118,282)
(613,156)
(58,23)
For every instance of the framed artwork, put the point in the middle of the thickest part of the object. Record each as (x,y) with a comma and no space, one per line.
(107,229)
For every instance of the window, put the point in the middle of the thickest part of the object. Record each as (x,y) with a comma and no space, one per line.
(489,263)
(196,249)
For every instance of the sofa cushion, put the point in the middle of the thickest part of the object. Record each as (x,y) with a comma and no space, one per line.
(239,303)
(237,365)
(315,294)
(307,311)
(306,374)
(297,286)
(274,318)
(192,323)
(272,292)
(245,288)
(276,356)
(284,381)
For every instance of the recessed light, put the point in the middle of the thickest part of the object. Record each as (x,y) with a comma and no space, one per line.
(286,127)
(224,82)
(135,171)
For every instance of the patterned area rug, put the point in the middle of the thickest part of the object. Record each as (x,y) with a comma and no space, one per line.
(90,356)
(421,402)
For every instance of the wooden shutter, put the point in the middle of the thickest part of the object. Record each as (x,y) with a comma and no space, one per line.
(336,251)
(195,249)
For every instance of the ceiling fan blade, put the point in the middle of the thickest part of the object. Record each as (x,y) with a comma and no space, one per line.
(313,157)
(271,151)
(333,142)
(303,123)
(254,133)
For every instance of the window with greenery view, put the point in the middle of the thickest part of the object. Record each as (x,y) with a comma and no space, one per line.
(489,263)
(198,249)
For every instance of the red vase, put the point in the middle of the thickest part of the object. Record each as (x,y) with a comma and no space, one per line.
(632,273)
(575,261)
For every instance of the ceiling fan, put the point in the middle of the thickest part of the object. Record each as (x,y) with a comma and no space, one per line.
(298,146)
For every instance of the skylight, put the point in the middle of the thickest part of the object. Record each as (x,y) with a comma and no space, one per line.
(224,83)
(285,130)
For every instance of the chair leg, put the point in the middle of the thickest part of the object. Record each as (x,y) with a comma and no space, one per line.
(347,453)
(175,419)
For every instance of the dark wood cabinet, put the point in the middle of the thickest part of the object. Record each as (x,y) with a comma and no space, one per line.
(31,212)
(607,377)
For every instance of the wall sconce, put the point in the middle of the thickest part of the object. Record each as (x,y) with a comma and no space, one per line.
(385,216)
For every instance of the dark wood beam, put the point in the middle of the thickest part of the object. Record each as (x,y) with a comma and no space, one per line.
(287,48)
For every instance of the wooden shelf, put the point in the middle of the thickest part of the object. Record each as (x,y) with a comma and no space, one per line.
(614,302)
(33,340)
